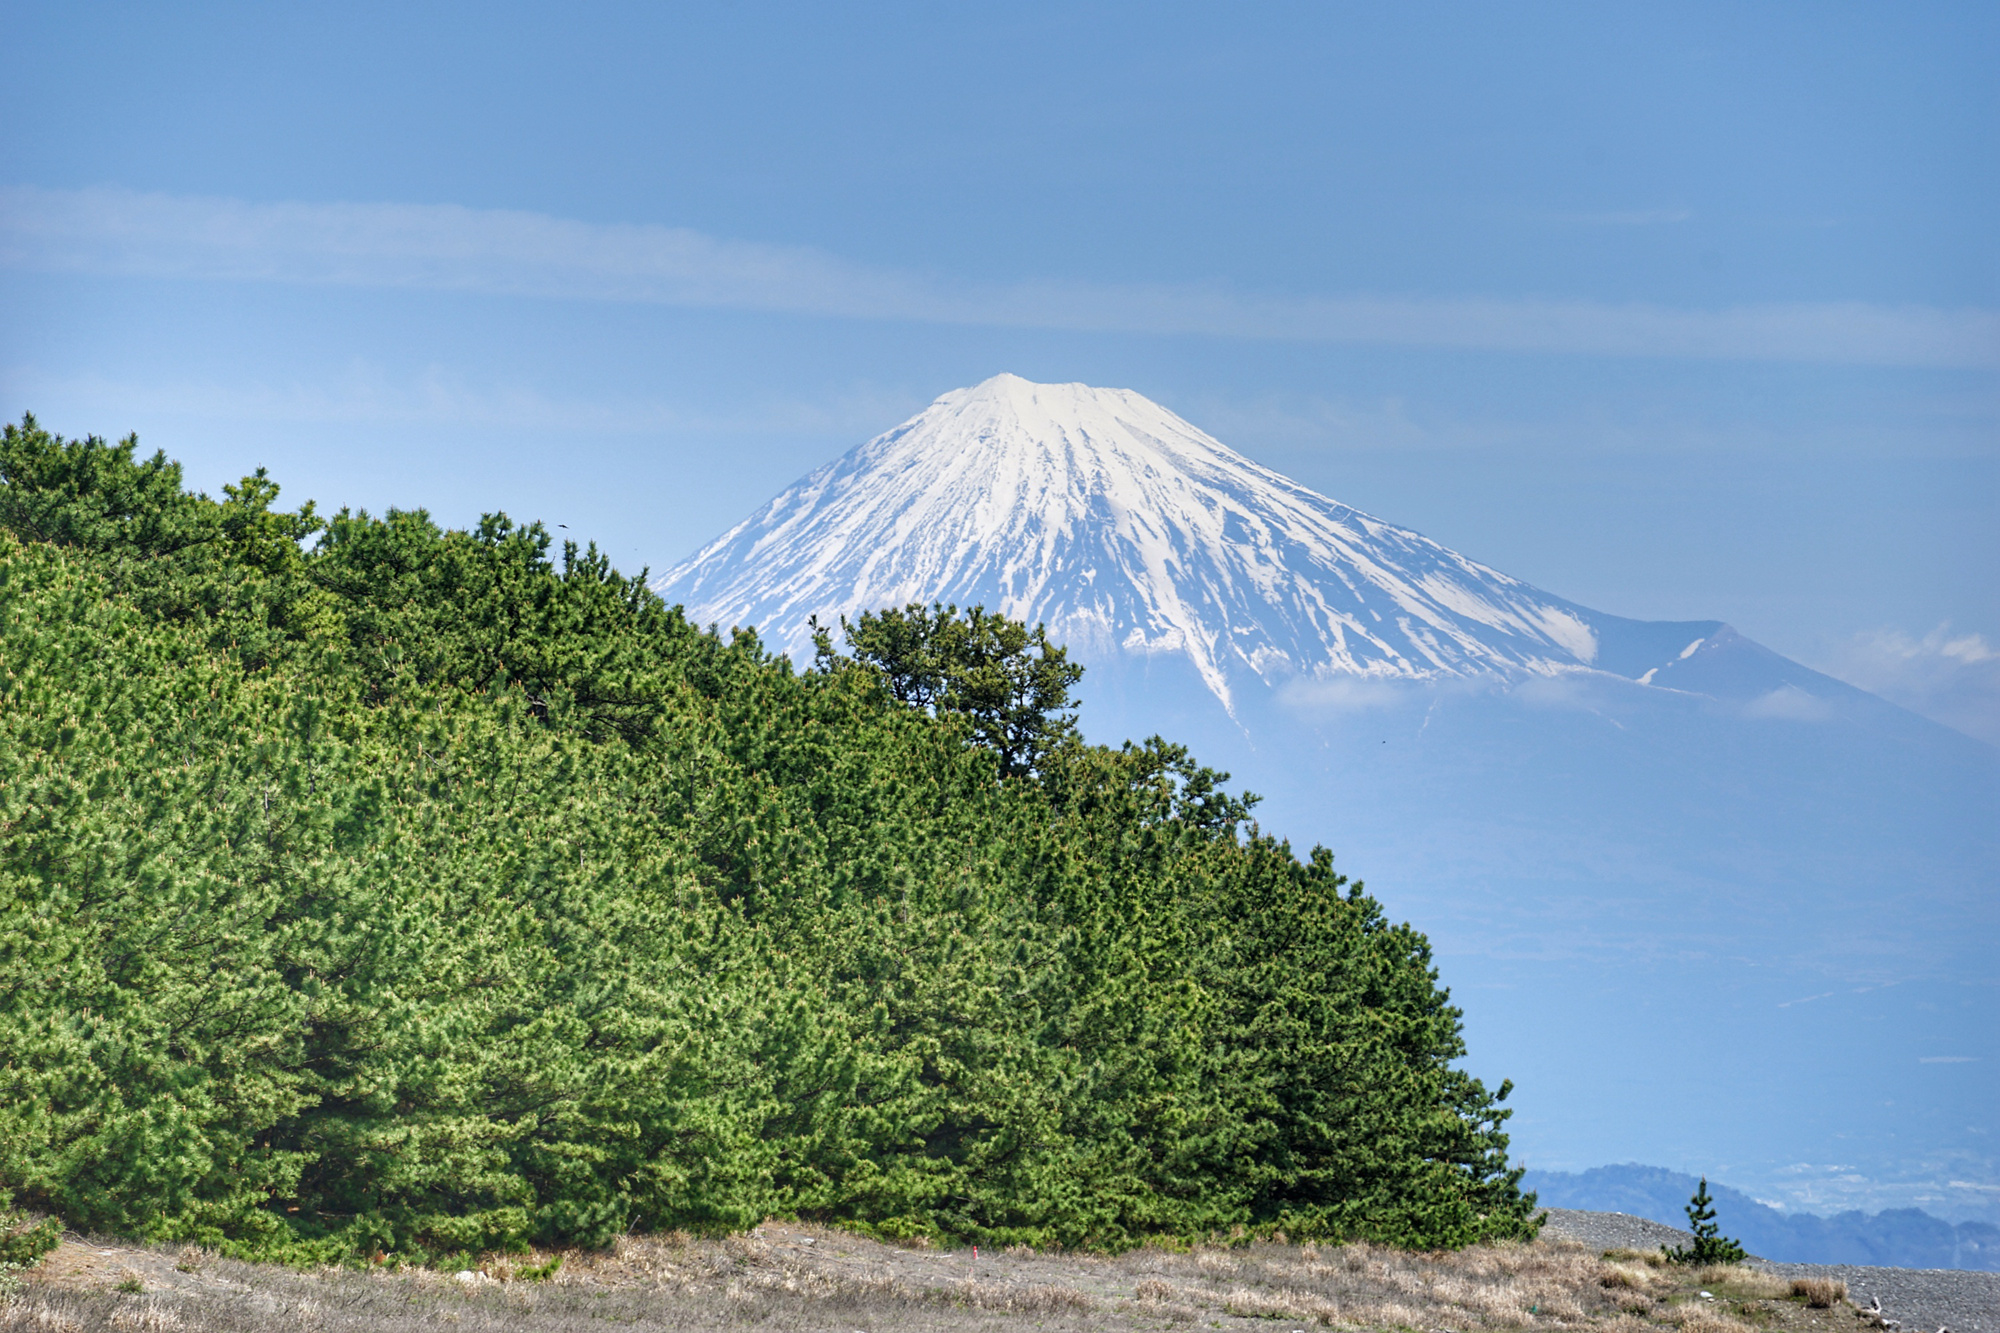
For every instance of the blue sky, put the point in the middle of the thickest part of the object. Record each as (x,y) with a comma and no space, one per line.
(1678,311)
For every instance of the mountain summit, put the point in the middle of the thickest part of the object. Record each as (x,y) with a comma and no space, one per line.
(1124,527)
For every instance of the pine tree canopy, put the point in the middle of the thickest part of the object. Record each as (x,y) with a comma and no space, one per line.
(366,885)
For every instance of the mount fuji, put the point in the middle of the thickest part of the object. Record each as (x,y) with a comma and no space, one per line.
(1126,529)
(1709,908)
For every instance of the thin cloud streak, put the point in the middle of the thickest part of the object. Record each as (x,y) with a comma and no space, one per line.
(444,247)
(1634,217)
(370,395)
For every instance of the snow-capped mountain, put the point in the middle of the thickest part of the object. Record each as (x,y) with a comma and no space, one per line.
(1619,835)
(1124,527)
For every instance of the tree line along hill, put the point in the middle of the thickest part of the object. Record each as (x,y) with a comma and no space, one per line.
(369,889)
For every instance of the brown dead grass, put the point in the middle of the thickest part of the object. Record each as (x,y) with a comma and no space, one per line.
(789,1276)
(1703,1317)
(1820,1293)
(1628,1276)
(1742,1283)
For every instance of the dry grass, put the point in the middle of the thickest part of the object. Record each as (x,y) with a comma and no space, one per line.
(1742,1283)
(1821,1293)
(788,1276)
(1702,1317)
(1507,1286)
(1628,1276)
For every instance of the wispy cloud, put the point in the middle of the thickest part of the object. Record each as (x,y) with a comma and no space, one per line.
(1345,694)
(1949,677)
(1789,703)
(449,248)
(1631,217)
(362,393)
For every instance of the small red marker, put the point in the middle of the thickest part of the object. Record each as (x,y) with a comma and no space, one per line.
(975,1254)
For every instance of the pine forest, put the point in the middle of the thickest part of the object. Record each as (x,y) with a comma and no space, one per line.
(369,888)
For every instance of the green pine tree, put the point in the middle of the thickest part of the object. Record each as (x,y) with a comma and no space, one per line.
(1710,1246)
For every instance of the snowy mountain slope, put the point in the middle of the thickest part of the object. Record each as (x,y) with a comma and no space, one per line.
(1119,524)
(1132,533)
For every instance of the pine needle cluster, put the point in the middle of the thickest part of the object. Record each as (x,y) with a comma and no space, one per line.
(372,888)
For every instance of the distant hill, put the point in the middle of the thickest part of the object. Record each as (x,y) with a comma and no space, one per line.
(1897,1238)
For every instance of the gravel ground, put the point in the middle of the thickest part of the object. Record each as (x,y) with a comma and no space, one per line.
(1611,1231)
(1920,1299)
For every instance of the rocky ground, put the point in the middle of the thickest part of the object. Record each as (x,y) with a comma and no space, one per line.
(787,1276)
